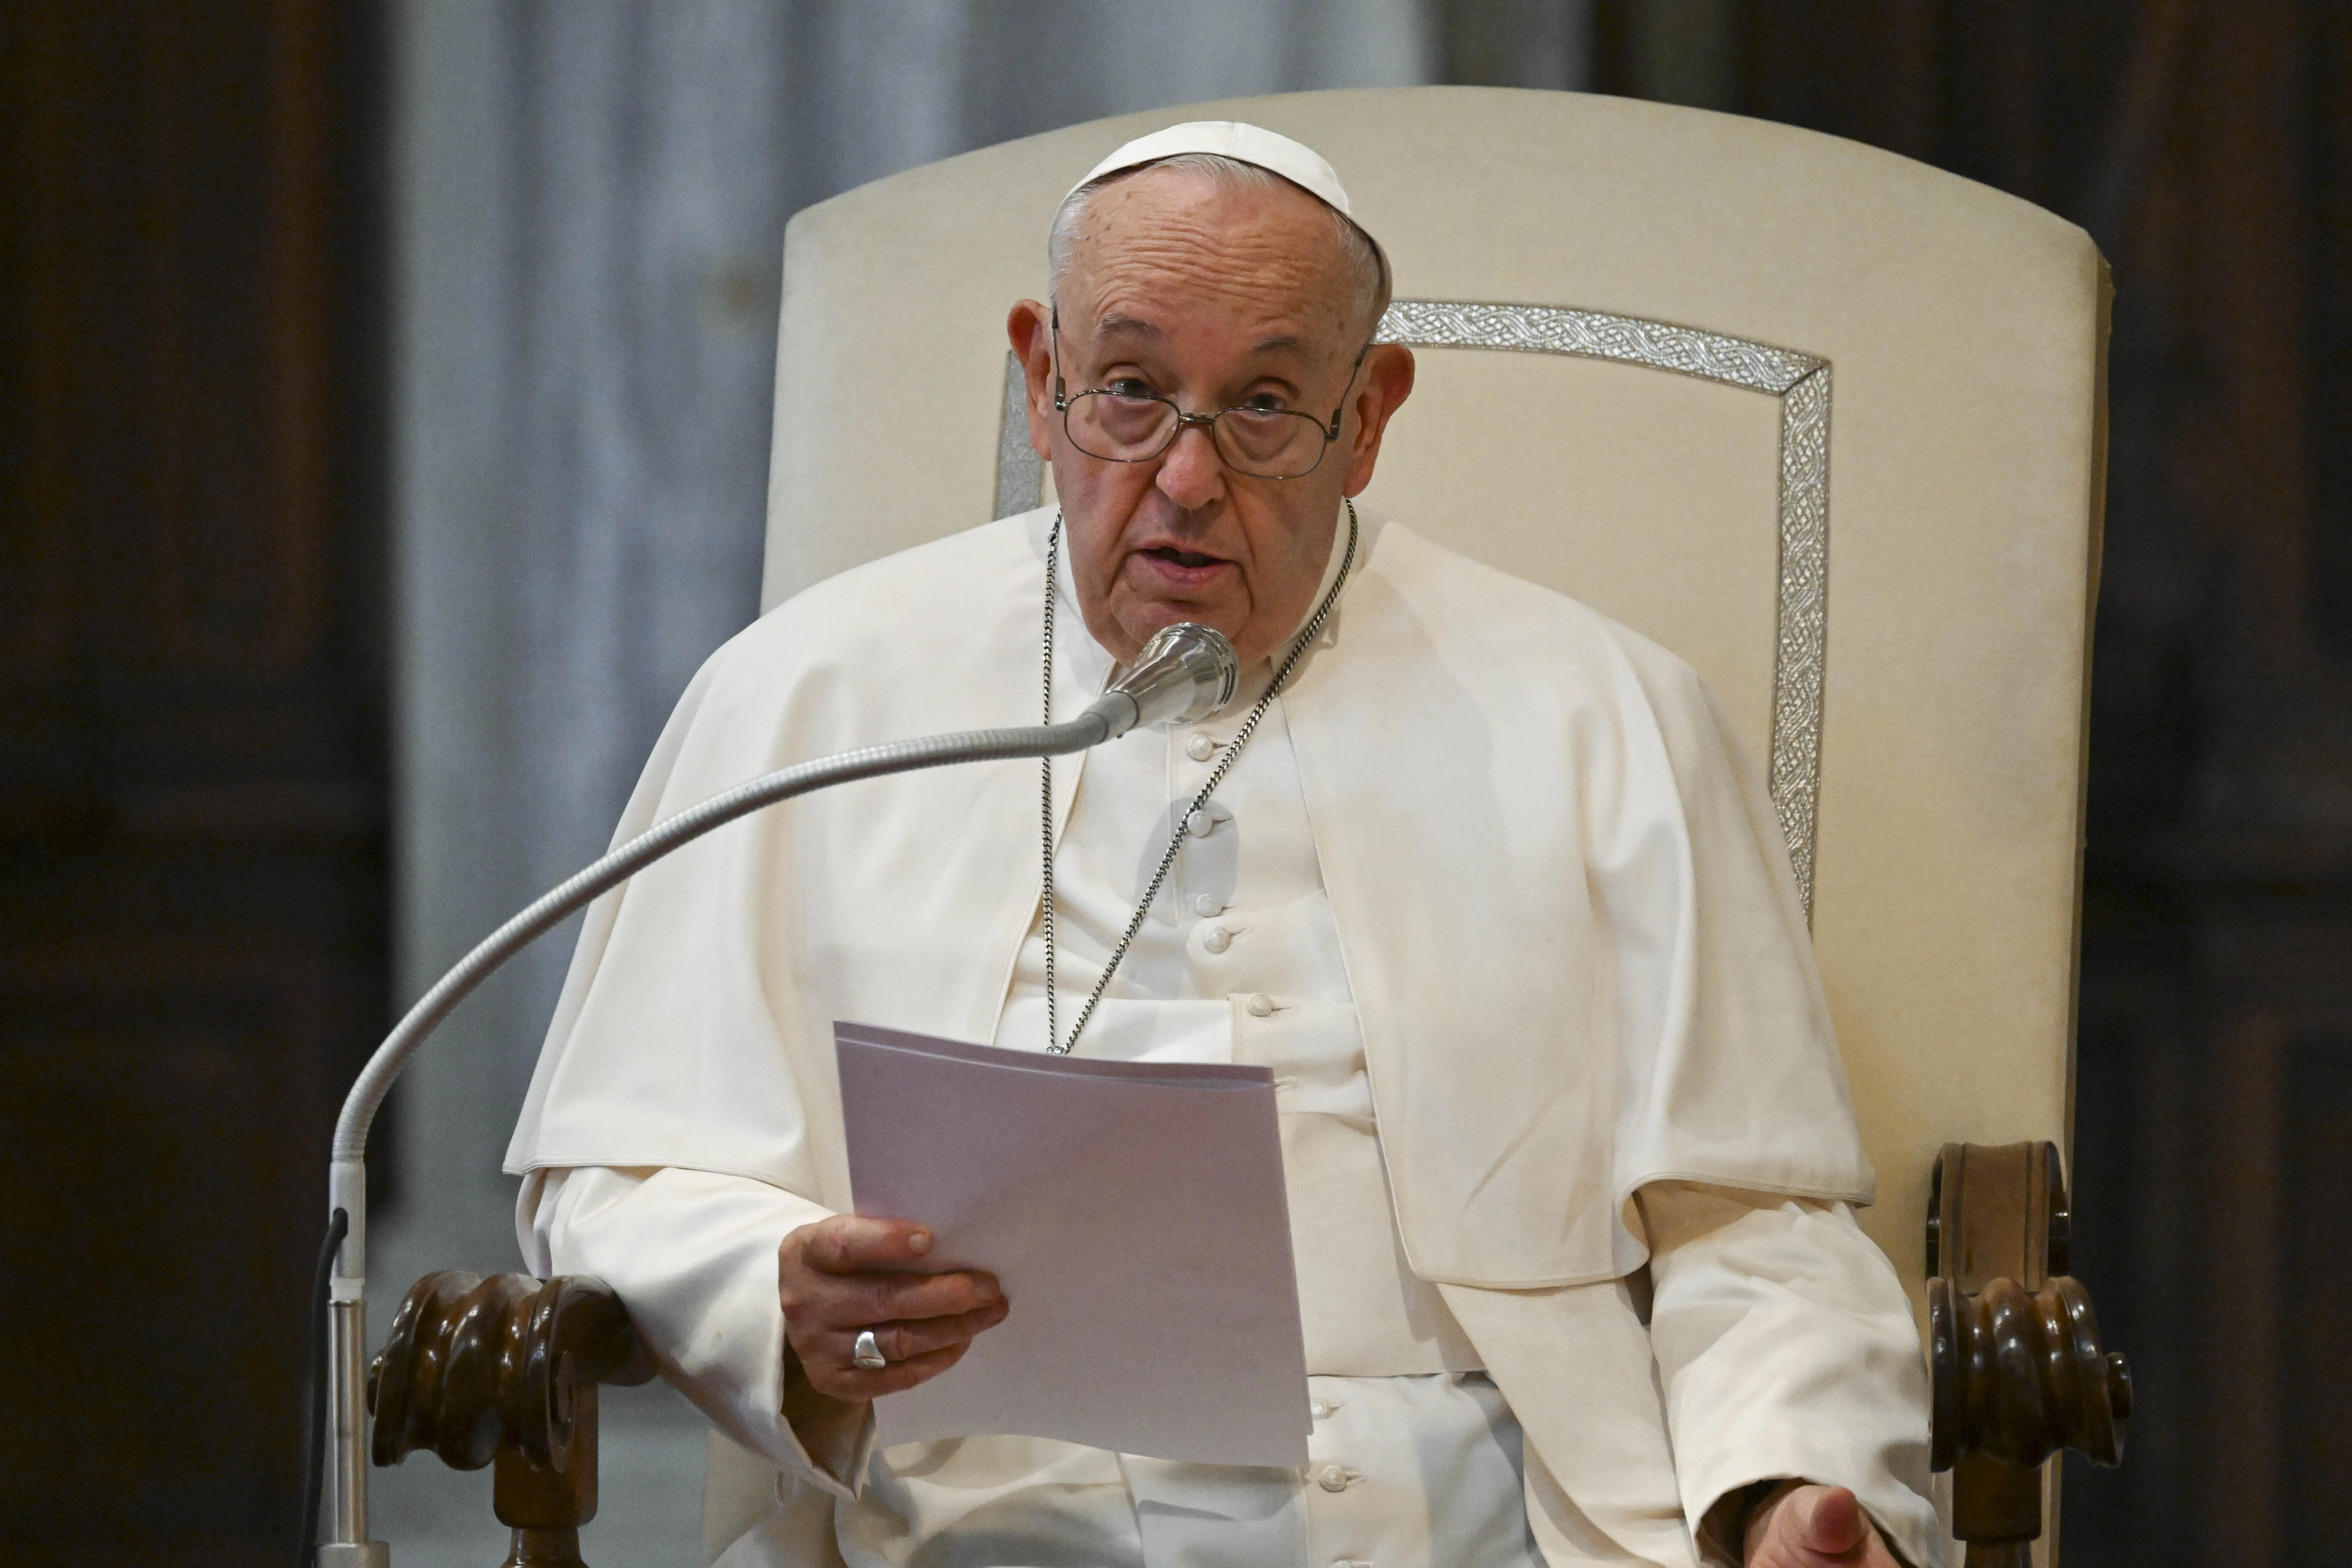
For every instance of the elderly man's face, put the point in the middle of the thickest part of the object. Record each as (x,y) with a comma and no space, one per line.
(1215,297)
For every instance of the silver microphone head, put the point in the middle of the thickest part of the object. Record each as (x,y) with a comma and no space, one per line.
(1185,672)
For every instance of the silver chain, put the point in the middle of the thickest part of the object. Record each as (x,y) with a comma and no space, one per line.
(1053,1041)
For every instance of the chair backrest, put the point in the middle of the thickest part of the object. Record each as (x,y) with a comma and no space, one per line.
(1826,422)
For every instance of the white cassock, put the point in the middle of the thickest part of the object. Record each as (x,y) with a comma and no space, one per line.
(1568,1148)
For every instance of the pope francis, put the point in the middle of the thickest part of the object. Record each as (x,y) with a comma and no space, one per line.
(1478,874)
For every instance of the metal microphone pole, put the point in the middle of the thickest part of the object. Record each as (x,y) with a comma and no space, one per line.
(1185,672)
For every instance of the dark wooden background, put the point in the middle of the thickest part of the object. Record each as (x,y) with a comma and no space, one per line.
(192,924)
(192,876)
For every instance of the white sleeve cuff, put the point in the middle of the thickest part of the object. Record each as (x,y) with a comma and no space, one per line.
(1787,1348)
(692,1254)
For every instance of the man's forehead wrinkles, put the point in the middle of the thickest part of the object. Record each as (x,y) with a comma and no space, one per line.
(1143,275)
(1275,336)
(1152,275)
(1160,244)
(1269,306)
(1117,323)
(1159,306)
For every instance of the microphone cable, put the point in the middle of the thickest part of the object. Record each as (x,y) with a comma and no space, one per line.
(314,1414)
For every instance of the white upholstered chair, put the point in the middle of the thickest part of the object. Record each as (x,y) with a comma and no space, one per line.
(1825,421)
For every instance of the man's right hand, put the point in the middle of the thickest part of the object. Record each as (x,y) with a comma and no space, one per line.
(846,1274)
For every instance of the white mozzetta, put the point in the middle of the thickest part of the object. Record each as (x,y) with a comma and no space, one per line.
(1570,932)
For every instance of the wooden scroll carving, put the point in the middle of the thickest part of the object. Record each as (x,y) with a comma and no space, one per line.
(2014,1346)
(504,1371)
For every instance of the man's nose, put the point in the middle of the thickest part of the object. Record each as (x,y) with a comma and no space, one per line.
(1192,472)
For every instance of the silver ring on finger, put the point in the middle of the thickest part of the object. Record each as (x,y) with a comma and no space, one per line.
(866,1354)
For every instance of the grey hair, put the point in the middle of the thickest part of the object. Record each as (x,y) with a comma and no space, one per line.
(1365,260)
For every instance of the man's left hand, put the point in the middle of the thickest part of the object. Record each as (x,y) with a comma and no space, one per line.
(1815,1527)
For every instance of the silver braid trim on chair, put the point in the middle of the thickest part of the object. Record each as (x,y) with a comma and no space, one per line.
(1054,1044)
(1592,334)
(1801,382)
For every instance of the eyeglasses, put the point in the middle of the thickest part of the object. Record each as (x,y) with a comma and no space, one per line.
(1136,428)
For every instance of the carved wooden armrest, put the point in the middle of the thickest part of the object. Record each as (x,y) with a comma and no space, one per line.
(505,1370)
(2014,1346)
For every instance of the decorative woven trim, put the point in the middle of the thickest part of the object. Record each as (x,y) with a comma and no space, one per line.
(1551,330)
(1801,383)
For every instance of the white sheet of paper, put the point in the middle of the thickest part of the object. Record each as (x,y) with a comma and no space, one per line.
(1135,1214)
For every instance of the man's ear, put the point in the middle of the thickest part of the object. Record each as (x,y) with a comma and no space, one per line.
(1386,382)
(1030,327)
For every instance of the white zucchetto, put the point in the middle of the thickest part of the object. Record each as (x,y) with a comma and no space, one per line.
(1268,150)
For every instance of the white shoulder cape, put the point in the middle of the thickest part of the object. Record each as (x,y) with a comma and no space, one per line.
(1561,896)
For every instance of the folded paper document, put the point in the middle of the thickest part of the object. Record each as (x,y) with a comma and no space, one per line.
(1134,1212)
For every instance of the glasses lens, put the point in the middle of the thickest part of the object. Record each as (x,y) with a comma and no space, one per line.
(1271,445)
(1121,429)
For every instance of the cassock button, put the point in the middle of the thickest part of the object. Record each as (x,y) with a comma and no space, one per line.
(1200,748)
(1218,940)
(1260,1006)
(1205,906)
(1199,824)
(1333,1478)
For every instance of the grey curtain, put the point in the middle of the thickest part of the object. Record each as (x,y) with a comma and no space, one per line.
(588,203)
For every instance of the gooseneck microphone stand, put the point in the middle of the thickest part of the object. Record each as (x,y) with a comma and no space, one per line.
(1186,673)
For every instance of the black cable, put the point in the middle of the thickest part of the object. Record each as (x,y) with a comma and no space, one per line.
(314,1425)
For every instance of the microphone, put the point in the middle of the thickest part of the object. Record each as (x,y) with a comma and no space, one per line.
(1185,672)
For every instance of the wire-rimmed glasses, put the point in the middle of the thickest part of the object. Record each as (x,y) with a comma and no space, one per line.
(1136,428)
